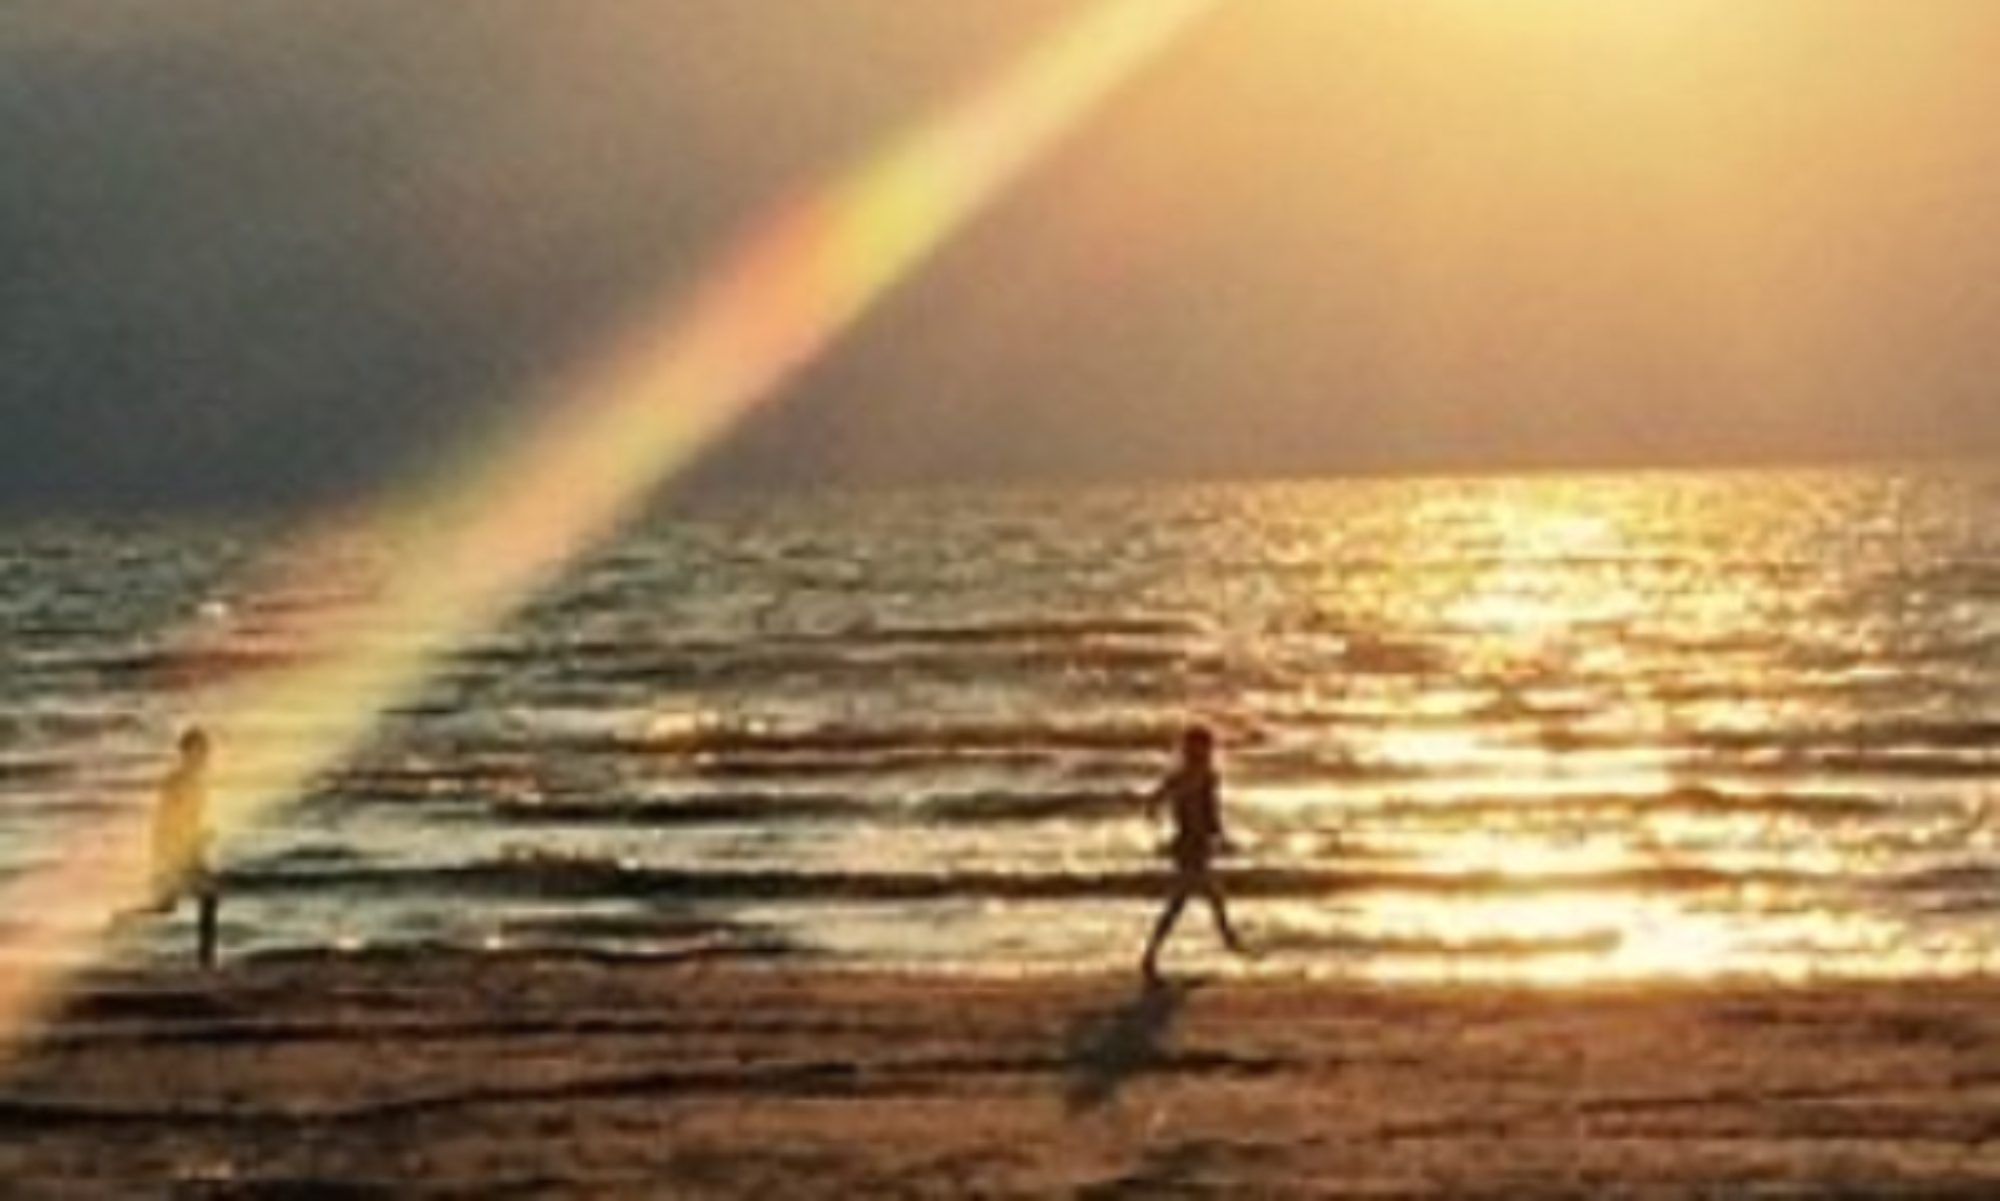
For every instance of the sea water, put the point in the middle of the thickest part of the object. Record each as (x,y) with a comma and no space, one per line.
(1559,728)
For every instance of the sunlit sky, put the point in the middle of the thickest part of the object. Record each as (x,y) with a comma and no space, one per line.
(261,253)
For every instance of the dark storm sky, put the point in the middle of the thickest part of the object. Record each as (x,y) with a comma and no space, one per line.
(287,252)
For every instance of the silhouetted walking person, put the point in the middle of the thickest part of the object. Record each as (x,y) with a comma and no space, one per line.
(1192,791)
(181,841)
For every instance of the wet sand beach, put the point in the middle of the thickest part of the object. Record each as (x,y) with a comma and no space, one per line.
(526,1076)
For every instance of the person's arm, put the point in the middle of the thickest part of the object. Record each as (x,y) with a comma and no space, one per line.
(1158,797)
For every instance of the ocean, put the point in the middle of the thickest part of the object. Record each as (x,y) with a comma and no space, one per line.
(1546,729)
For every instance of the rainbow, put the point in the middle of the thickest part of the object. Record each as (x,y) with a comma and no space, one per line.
(459,557)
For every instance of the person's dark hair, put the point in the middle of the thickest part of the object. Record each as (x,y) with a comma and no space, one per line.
(1197,741)
(194,741)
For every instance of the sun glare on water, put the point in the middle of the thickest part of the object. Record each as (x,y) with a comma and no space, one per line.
(1589,856)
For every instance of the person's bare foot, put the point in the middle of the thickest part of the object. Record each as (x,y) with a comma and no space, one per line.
(123,919)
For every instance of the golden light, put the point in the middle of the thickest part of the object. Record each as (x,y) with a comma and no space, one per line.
(435,572)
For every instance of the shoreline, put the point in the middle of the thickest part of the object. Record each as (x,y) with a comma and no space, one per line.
(575,1076)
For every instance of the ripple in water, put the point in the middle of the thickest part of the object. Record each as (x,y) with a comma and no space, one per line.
(1554,729)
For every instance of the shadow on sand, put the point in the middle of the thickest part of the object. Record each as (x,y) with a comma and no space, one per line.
(1106,1049)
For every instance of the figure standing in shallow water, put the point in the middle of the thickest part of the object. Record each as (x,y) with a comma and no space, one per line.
(1192,793)
(181,841)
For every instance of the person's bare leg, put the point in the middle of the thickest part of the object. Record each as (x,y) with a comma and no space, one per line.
(1220,911)
(1150,964)
(205,928)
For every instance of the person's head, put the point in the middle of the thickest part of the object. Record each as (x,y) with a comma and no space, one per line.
(1198,745)
(194,745)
